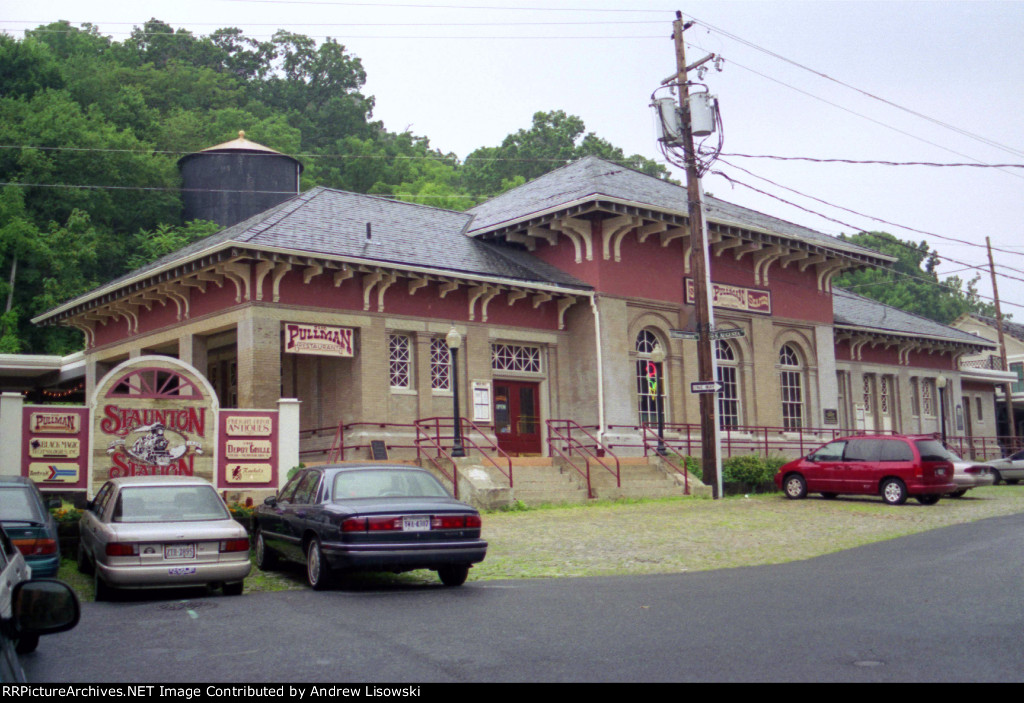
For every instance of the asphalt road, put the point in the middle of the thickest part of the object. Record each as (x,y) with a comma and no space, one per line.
(946,605)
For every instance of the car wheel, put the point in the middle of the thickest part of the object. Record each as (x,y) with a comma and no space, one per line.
(317,572)
(894,492)
(103,590)
(265,558)
(958,494)
(996,478)
(829,496)
(27,644)
(454,575)
(795,487)
(233,589)
(82,561)
(930,499)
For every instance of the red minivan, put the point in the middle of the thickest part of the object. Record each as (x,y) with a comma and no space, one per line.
(892,466)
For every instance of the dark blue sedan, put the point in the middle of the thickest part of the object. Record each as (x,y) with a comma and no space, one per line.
(338,519)
(26,517)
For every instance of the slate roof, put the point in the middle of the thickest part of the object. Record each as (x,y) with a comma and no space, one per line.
(333,223)
(856,311)
(592,177)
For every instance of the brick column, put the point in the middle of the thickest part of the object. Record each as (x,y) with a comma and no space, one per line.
(259,360)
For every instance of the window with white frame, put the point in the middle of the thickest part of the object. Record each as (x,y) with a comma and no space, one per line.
(915,397)
(515,357)
(792,388)
(647,372)
(728,377)
(400,361)
(978,403)
(440,365)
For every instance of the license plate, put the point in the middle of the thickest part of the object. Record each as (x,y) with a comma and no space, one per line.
(181,571)
(415,524)
(179,551)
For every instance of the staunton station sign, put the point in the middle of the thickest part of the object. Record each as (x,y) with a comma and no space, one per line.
(153,416)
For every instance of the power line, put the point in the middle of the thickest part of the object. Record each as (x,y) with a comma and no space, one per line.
(854,227)
(872,96)
(861,214)
(872,161)
(863,116)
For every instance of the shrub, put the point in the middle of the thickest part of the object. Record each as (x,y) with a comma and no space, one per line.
(749,469)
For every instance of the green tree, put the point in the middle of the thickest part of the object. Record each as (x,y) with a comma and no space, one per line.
(912,282)
(553,140)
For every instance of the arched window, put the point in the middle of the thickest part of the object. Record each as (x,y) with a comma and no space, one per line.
(791,382)
(728,376)
(646,378)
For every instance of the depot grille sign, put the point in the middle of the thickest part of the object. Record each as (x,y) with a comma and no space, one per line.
(319,340)
(153,416)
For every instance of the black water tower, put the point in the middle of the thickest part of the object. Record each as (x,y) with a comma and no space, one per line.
(235,180)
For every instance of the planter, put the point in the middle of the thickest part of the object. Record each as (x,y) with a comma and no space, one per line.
(67,533)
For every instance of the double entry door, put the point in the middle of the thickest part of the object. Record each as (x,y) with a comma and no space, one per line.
(517,417)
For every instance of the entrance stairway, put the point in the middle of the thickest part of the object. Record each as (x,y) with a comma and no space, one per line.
(540,480)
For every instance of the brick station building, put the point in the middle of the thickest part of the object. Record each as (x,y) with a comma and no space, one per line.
(560,289)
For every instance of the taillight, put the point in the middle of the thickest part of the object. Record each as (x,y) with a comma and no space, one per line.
(234,545)
(122,549)
(353,524)
(36,547)
(383,524)
(454,522)
(976,470)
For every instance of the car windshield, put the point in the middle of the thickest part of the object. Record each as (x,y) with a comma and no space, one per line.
(385,484)
(169,504)
(17,504)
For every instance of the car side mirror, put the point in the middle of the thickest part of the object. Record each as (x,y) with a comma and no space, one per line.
(270,501)
(43,607)
(53,503)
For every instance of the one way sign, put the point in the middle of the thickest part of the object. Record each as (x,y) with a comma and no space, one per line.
(705,387)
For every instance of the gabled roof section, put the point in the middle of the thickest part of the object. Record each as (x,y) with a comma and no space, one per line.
(593,179)
(1013,329)
(349,227)
(865,315)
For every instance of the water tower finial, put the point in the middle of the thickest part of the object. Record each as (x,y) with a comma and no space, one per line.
(241,134)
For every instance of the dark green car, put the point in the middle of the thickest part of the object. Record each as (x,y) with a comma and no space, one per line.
(25,516)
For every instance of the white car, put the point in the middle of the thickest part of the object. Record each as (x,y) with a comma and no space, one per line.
(1009,469)
(969,474)
(160,532)
(28,609)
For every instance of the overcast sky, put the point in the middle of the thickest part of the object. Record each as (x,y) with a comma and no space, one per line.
(468,75)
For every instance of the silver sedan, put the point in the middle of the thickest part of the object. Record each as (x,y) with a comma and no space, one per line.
(1009,469)
(161,531)
(969,474)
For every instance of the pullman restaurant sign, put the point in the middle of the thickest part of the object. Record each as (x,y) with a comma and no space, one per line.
(320,340)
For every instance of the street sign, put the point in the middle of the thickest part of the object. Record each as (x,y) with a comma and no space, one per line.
(705,387)
(683,334)
(727,334)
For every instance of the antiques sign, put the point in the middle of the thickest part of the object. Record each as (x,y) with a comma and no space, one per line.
(734,298)
(153,416)
(248,451)
(317,339)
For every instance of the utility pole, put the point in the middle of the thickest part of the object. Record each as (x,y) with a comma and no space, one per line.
(1008,387)
(709,431)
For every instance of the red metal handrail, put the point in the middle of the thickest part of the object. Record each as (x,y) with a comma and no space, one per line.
(424,424)
(586,451)
(679,466)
